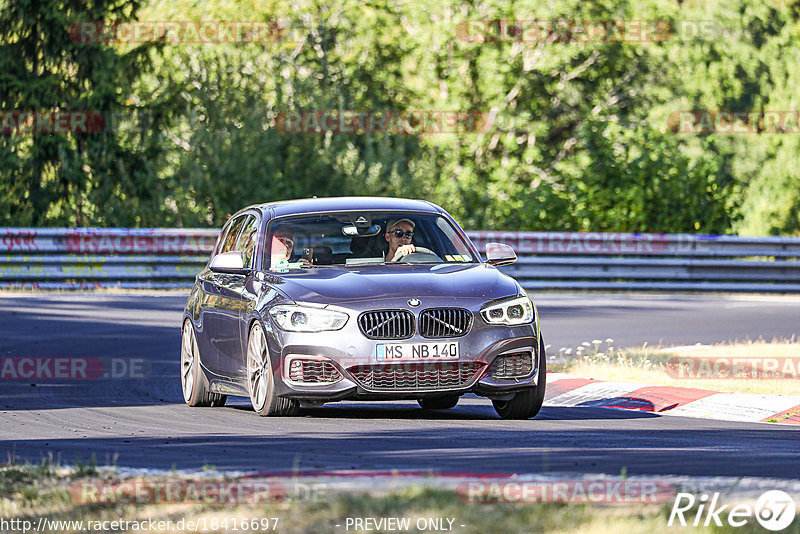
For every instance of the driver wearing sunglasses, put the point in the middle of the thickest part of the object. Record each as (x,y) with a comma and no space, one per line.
(399,233)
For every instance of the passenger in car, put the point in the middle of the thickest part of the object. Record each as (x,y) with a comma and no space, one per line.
(282,244)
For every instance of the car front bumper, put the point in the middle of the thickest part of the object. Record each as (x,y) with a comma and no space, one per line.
(328,366)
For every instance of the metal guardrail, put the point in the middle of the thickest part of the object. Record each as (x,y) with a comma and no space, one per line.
(88,258)
(82,258)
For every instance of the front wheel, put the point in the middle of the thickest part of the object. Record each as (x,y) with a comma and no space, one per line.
(261,379)
(526,404)
(193,382)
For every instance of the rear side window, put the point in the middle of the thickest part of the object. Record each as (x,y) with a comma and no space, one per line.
(247,240)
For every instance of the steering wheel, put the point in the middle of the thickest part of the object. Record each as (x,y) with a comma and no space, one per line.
(417,250)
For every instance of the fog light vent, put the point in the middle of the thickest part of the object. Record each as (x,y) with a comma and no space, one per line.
(313,371)
(514,365)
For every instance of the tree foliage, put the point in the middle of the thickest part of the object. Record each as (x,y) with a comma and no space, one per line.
(579,138)
(107,177)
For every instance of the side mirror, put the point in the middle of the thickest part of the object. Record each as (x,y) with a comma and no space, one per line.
(229,263)
(500,254)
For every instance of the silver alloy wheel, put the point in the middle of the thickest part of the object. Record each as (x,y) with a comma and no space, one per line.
(259,374)
(188,360)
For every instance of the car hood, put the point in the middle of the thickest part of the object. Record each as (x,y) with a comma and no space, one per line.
(332,285)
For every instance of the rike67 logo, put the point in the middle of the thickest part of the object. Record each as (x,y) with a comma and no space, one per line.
(774,510)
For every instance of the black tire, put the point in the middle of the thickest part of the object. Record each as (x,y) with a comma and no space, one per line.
(526,404)
(261,379)
(193,381)
(439,403)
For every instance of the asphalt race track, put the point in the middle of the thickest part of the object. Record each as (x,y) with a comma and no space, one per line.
(143,422)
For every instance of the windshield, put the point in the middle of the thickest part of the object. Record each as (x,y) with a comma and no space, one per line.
(361,238)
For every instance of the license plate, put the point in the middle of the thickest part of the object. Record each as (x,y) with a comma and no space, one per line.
(404,352)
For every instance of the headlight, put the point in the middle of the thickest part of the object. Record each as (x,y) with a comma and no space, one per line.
(510,312)
(303,319)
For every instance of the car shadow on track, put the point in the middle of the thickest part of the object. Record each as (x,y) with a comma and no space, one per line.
(476,410)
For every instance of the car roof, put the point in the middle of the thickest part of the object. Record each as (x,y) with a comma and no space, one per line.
(313,205)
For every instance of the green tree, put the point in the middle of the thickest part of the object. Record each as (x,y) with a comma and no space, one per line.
(231,154)
(107,177)
(579,135)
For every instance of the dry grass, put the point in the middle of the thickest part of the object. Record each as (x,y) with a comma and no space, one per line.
(648,366)
(29,492)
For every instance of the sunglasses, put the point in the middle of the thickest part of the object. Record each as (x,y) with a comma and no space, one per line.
(288,242)
(400,233)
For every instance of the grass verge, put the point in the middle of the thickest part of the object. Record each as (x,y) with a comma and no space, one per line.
(646,365)
(28,493)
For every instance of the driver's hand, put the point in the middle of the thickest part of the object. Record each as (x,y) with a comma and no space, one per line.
(406,249)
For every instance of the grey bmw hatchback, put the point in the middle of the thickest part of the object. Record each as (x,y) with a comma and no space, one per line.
(319,300)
